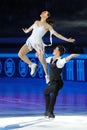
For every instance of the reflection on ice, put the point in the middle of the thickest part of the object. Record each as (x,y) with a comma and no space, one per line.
(39,122)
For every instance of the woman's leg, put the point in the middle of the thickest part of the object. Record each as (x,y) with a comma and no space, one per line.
(44,64)
(22,54)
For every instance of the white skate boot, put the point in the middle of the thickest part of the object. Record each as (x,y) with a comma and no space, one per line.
(47,79)
(34,68)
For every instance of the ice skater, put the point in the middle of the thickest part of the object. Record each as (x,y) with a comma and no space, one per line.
(56,81)
(39,29)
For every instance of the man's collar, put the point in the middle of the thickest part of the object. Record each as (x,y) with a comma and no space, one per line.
(56,58)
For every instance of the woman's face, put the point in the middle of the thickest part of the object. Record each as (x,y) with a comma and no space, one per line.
(44,14)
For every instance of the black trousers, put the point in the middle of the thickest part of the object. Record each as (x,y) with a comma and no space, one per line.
(50,94)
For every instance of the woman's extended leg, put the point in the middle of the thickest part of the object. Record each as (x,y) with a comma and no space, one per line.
(22,54)
(44,64)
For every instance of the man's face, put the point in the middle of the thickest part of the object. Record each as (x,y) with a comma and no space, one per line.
(56,51)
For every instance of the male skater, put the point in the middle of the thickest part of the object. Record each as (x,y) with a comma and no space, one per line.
(56,82)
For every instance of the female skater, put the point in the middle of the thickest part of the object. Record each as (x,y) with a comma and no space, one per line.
(39,29)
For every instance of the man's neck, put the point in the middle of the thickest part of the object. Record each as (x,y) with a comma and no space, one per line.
(56,56)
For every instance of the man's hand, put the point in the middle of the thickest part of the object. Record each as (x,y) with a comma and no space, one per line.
(75,55)
(71,56)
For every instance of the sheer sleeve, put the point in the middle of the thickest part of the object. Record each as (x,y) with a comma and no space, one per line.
(60,63)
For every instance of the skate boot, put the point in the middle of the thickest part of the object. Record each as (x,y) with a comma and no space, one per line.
(34,68)
(47,79)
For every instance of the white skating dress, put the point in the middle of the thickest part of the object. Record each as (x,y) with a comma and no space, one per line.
(35,40)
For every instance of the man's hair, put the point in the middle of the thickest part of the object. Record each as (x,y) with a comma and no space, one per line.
(61,49)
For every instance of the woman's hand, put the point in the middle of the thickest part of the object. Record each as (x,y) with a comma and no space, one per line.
(25,30)
(71,40)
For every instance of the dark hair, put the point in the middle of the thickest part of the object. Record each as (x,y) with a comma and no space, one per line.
(62,49)
(49,20)
(49,14)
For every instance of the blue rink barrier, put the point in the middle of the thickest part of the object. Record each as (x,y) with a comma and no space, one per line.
(12,66)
